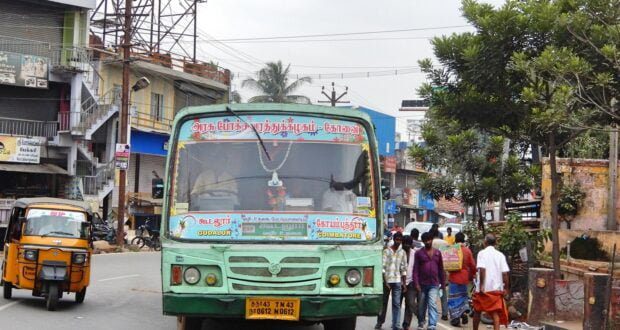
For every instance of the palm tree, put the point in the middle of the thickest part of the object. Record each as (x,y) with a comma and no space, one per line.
(274,85)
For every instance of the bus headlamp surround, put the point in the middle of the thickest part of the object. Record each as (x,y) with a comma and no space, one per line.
(353,277)
(191,275)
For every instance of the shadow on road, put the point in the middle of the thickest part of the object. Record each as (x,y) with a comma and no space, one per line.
(254,325)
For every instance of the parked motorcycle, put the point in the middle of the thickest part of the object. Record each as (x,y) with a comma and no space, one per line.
(103,231)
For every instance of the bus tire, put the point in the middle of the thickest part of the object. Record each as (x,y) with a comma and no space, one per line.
(340,324)
(189,323)
(7,290)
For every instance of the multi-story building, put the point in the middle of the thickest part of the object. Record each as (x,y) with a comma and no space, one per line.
(174,84)
(60,104)
(47,87)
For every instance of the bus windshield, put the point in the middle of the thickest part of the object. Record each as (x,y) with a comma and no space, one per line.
(306,179)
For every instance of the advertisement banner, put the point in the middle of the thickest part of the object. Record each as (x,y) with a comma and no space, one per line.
(24,70)
(273,127)
(388,164)
(122,156)
(273,226)
(20,149)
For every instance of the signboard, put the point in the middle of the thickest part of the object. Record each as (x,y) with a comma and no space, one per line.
(411,197)
(19,149)
(24,70)
(390,207)
(261,226)
(122,156)
(388,164)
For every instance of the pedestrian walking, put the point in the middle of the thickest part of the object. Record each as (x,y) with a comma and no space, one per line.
(492,284)
(415,234)
(439,243)
(394,280)
(450,239)
(458,300)
(411,296)
(429,278)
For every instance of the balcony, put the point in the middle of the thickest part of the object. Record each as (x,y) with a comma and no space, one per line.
(147,122)
(12,126)
(60,57)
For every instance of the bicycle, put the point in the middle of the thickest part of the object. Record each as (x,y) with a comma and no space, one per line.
(152,240)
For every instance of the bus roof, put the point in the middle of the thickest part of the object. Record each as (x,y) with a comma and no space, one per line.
(274,107)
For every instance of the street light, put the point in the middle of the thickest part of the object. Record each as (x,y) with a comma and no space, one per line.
(142,83)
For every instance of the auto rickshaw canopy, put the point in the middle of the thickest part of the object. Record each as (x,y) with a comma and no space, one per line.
(50,202)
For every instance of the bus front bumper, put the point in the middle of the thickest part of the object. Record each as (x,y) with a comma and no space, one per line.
(313,308)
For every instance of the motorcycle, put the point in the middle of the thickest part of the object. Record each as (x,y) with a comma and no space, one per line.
(103,231)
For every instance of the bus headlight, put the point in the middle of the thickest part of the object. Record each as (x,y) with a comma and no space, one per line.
(211,279)
(31,255)
(353,277)
(334,279)
(79,258)
(191,275)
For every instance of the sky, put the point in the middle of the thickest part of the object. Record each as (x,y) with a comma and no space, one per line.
(379,52)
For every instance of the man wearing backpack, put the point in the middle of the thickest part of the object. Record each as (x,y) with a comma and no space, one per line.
(459,280)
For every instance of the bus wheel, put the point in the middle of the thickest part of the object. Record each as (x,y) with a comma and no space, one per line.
(189,323)
(7,290)
(340,324)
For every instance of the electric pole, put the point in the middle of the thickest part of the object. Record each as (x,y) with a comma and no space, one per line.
(120,226)
(333,99)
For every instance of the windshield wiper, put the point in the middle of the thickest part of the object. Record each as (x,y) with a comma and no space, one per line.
(57,232)
(253,129)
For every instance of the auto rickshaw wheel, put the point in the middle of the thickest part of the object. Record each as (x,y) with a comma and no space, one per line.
(7,290)
(52,296)
(80,295)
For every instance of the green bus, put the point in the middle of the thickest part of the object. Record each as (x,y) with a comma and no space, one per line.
(272,212)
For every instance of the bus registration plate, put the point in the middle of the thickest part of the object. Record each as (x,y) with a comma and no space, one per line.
(268,308)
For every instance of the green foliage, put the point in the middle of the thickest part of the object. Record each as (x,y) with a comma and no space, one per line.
(591,144)
(273,82)
(513,236)
(571,199)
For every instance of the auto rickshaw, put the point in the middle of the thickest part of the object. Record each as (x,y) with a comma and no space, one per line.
(47,249)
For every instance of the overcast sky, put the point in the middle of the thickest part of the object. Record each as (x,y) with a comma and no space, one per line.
(234,19)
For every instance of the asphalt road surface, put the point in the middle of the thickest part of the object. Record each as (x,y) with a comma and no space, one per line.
(125,293)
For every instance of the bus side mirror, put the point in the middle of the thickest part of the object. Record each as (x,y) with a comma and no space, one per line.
(385,192)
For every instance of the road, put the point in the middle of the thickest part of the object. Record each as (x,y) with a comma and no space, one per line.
(125,293)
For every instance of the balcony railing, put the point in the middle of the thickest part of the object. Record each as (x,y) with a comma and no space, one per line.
(148,121)
(67,57)
(12,126)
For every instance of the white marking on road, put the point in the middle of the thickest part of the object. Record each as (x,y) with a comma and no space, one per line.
(119,277)
(3,307)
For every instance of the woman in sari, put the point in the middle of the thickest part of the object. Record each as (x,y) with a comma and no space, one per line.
(458,300)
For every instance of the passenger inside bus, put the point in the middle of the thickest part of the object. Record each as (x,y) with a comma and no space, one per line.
(235,175)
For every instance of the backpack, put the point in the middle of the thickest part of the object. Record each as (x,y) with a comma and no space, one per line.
(452,256)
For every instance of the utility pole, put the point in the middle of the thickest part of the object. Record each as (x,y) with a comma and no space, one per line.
(122,180)
(613,178)
(333,99)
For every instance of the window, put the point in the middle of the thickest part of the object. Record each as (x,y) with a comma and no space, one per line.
(157,106)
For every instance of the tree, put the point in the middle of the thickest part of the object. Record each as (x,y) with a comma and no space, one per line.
(235,97)
(273,82)
(513,77)
(472,166)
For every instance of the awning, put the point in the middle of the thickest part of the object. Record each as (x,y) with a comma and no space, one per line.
(447,215)
(33,168)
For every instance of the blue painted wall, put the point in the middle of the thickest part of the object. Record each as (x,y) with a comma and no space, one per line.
(148,143)
(386,130)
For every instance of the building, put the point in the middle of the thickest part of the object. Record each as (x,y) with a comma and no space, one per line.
(48,86)
(174,85)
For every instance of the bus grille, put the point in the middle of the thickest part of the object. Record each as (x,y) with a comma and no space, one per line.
(291,268)
(246,287)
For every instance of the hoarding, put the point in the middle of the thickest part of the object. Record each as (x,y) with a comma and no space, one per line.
(24,70)
(19,149)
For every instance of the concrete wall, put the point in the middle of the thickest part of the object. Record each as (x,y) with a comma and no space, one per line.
(592,175)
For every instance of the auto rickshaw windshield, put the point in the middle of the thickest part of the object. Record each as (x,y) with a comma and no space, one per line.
(56,223)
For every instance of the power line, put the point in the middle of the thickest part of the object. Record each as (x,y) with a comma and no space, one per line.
(345,34)
(320,40)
